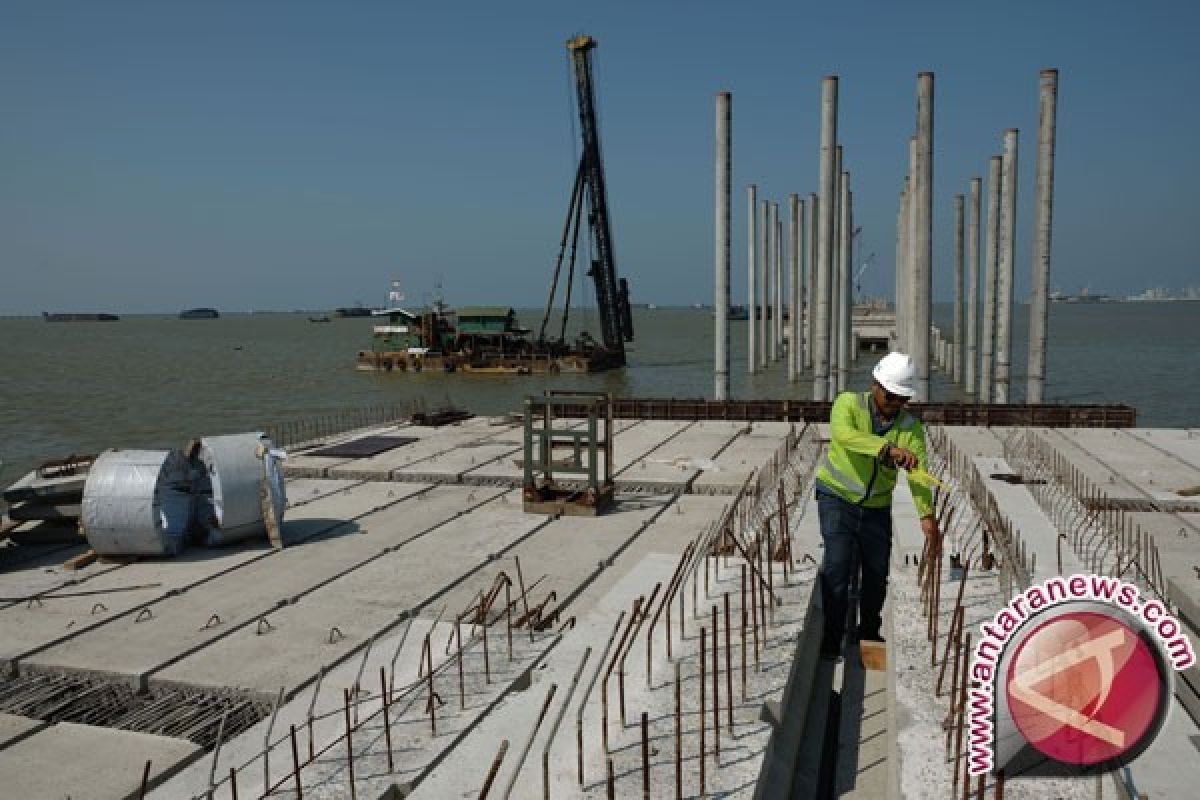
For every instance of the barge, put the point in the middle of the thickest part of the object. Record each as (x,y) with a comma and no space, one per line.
(479,339)
(78,317)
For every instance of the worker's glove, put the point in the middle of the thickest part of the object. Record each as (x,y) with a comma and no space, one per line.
(898,457)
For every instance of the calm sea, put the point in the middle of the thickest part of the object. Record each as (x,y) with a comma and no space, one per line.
(78,387)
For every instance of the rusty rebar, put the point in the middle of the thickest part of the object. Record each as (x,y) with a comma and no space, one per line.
(754,622)
(962,710)
(491,775)
(611,785)
(728,668)
(587,692)
(524,599)
(678,736)
(558,721)
(432,693)
(743,653)
(637,606)
(529,742)
(387,722)
(955,629)
(233,784)
(665,604)
(703,709)
(462,690)
(508,616)
(349,741)
(145,779)
(645,756)
(716,686)
(296,762)
(770,567)
(621,663)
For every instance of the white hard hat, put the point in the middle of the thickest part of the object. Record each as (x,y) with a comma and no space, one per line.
(895,373)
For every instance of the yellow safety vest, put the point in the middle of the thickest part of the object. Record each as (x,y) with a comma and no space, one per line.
(851,467)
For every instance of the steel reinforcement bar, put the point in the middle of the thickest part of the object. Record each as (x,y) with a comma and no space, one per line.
(1049,416)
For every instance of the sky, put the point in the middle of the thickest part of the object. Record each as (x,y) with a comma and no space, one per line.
(265,154)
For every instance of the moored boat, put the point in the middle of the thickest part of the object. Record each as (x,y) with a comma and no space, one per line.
(199,313)
(78,317)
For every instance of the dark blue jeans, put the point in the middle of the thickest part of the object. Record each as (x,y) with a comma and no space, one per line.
(853,534)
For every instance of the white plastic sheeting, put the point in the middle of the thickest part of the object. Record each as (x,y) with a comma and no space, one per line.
(137,502)
(237,477)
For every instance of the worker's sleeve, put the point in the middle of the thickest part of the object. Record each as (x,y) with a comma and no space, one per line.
(922,495)
(841,424)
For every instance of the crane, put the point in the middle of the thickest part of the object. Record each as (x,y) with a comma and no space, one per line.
(858,275)
(612,293)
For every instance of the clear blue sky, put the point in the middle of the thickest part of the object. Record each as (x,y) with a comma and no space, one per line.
(159,155)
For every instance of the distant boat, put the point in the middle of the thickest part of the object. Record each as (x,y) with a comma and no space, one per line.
(76,317)
(199,313)
(354,311)
(737,312)
(322,318)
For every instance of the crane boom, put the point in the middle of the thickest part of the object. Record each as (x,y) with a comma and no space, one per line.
(612,295)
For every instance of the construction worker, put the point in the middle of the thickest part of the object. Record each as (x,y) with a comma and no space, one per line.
(872,437)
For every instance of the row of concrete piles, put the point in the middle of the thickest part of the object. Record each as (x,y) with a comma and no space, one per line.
(815,288)
(978,352)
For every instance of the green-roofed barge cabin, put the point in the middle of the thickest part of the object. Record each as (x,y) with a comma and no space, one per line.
(472,339)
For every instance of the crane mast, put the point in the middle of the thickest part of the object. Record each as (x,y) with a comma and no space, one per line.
(612,294)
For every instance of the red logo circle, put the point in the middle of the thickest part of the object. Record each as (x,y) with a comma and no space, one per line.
(1084,688)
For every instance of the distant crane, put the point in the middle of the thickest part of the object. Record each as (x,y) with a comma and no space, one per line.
(612,294)
(858,275)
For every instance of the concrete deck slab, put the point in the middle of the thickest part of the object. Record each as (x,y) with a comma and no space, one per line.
(14,727)
(302,464)
(359,604)
(1182,443)
(82,761)
(429,448)
(976,440)
(1036,530)
(450,466)
(744,455)
(114,590)
(301,491)
(178,625)
(1123,465)
(676,462)
(567,552)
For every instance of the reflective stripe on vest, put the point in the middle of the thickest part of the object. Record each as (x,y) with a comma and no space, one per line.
(849,483)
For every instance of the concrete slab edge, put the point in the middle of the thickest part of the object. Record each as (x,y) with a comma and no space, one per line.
(778,772)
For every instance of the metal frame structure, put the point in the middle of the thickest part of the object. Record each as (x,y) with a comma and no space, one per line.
(588,445)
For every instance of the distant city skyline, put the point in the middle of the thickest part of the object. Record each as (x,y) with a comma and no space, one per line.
(281,155)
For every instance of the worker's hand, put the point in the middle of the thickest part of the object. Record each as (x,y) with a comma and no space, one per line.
(902,458)
(933,537)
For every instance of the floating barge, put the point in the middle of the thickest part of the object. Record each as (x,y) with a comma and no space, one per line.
(78,317)
(200,313)
(477,339)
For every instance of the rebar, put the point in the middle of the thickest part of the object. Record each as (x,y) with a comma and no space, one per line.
(529,741)
(558,721)
(583,701)
(491,775)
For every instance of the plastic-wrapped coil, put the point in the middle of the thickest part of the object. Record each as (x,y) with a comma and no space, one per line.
(237,476)
(137,502)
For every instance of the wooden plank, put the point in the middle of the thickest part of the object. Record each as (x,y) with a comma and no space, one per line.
(874,655)
(80,561)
